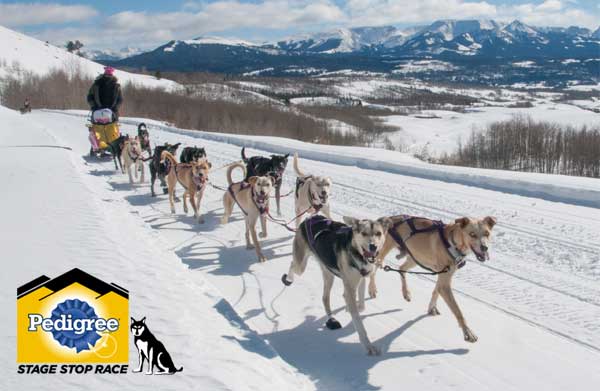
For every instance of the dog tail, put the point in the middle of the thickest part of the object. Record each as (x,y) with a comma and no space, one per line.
(167,155)
(244,158)
(230,170)
(296,168)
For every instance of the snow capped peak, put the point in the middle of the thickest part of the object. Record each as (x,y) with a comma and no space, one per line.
(596,34)
(451,28)
(517,27)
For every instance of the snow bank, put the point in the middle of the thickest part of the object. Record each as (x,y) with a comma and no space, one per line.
(558,188)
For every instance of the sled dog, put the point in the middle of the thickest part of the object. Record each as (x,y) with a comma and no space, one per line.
(440,248)
(347,251)
(252,197)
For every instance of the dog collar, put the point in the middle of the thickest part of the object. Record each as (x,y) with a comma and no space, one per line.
(457,256)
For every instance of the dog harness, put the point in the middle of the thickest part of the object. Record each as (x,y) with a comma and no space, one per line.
(134,158)
(243,186)
(326,237)
(299,183)
(436,225)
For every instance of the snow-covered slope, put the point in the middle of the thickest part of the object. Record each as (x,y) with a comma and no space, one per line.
(535,305)
(19,52)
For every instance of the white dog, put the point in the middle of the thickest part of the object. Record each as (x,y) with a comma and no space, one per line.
(132,156)
(312,194)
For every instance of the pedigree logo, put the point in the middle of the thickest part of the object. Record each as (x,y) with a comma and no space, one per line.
(74,318)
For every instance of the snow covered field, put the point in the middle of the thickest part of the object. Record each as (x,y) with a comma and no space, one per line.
(442,132)
(229,321)
(19,53)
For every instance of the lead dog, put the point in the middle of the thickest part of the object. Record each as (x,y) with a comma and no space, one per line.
(440,248)
(192,176)
(252,197)
(132,156)
(345,251)
(312,193)
(273,166)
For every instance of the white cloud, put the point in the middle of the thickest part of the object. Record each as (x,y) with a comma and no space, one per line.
(223,17)
(381,12)
(32,14)
(550,13)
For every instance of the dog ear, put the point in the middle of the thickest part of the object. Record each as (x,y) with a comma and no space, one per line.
(132,320)
(490,221)
(252,180)
(287,155)
(386,222)
(143,320)
(351,221)
(272,179)
(209,164)
(463,221)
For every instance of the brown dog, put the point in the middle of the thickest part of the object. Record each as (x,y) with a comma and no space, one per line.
(192,176)
(253,199)
(440,248)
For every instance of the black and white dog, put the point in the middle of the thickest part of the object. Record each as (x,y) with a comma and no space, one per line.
(273,166)
(116,148)
(160,170)
(192,154)
(152,350)
(144,137)
(346,251)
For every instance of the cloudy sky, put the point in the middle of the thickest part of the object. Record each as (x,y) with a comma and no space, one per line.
(147,24)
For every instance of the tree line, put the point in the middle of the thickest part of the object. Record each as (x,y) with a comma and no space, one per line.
(523,144)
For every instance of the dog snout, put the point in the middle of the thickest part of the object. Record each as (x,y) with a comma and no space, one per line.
(484,248)
(372,247)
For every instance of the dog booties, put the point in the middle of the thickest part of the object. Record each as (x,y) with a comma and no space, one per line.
(326,238)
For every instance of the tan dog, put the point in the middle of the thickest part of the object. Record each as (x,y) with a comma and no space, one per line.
(253,199)
(192,176)
(440,248)
(312,194)
(132,156)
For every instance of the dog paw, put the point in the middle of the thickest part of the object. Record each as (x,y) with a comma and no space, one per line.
(249,246)
(262,258)
(172,211)
(469,335)
(406,294)
(372,292)
(165,190)
(185,209)
(262,235)
(200,220)
(333,324)
(285,280)
(360,306)
(177,199)
(149,373)
(223,221)
(136,370)
(373,350)
(433,311)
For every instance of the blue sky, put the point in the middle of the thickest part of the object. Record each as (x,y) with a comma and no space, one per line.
(146,24)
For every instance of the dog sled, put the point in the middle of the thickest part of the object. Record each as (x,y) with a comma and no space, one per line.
(103,130)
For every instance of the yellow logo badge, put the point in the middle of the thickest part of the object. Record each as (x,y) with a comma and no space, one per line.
(73,318)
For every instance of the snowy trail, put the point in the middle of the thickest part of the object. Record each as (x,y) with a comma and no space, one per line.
(535,305)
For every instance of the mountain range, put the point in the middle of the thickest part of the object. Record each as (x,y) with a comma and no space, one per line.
(386,49)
